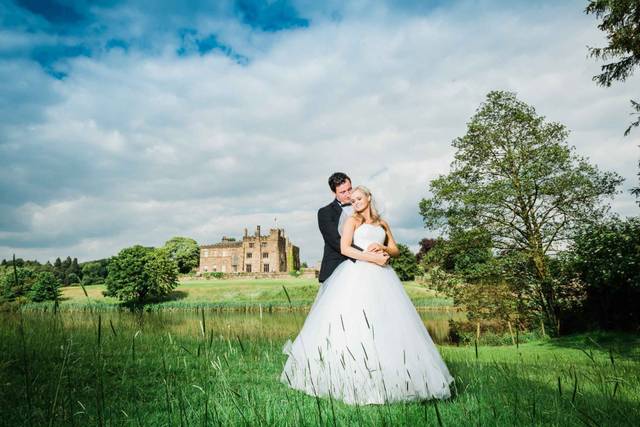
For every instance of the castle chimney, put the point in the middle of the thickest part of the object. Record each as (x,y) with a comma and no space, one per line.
(246,232)
(258,231)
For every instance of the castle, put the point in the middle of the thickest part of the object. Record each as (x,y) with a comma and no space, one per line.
(272,253)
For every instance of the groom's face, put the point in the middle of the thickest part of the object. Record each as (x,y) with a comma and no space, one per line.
(343,192)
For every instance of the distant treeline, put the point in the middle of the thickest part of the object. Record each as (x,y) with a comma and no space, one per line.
(67,272)
(134,274)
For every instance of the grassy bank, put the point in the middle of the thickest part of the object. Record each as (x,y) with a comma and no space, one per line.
(231,295)
(58,370)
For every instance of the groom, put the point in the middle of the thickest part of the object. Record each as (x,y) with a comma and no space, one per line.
(329,220)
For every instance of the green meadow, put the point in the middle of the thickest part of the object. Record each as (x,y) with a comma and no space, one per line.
(163,369)
(251,294)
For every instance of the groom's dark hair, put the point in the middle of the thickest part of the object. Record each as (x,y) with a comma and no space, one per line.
(338,178)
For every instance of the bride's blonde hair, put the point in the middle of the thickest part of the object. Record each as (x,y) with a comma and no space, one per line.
(375,216)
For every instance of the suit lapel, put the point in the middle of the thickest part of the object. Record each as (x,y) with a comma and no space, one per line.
(336,207)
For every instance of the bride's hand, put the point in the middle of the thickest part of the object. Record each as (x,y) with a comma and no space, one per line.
(375,247)
(380,258)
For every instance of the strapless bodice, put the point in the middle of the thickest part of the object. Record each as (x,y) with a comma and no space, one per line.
(367,234)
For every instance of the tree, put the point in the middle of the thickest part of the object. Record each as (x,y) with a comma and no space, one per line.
(515,178)
(72,279)
(461,252)
(405,264)
(606,257)
(138,273)
(94,272)
(16,284)
(636,190)
(45,288)
(426,245)
(74,268)
(185,251)
(621,23)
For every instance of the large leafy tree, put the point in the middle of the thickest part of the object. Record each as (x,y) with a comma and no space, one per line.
(185,251)
(515,178)
(620,20)
(138,273)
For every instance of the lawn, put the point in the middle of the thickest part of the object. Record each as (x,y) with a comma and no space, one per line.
(143,369)
(237,294)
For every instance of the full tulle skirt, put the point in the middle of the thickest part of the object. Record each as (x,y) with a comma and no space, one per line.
(364,343)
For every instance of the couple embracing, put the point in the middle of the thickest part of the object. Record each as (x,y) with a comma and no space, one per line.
(363,341)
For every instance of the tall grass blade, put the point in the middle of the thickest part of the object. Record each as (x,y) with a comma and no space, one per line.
(287,295)
(99,330)
(435,405)
(86,294)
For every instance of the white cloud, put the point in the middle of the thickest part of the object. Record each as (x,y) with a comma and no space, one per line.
(142,148)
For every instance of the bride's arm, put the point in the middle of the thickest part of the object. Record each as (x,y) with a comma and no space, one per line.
(347,250)
(391,248)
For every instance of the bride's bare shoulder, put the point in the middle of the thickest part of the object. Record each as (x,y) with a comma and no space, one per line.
(352,221)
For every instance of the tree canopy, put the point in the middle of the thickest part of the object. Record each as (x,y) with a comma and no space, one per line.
(138,273)
(620,20)
(405,264)
(515,178)
(185,251)
(45,288)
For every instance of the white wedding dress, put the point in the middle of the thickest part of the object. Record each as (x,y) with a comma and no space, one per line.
(363,341)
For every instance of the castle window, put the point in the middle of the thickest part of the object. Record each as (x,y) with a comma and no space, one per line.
(250,245)
(263,244)
(206,253)
(265,268)
(248,268)
(265,254)
(249,254)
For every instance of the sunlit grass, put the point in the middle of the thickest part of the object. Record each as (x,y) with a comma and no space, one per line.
(239,294)
(69,369)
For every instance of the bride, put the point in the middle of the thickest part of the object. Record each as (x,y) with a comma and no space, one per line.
(363,341)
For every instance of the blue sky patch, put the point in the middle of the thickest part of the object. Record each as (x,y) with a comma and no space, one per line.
(53,11)
(270,15)
(193,43)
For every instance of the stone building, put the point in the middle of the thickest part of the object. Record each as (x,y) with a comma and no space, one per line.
(271,253)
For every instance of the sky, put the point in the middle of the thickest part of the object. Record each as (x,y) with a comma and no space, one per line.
(130,122)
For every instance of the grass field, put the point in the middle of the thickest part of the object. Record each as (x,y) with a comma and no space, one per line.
(88,369)
(237,294)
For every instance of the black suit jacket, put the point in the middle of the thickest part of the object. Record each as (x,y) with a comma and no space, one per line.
(328,218)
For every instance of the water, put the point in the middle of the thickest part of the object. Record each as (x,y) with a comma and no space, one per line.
(273,326)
